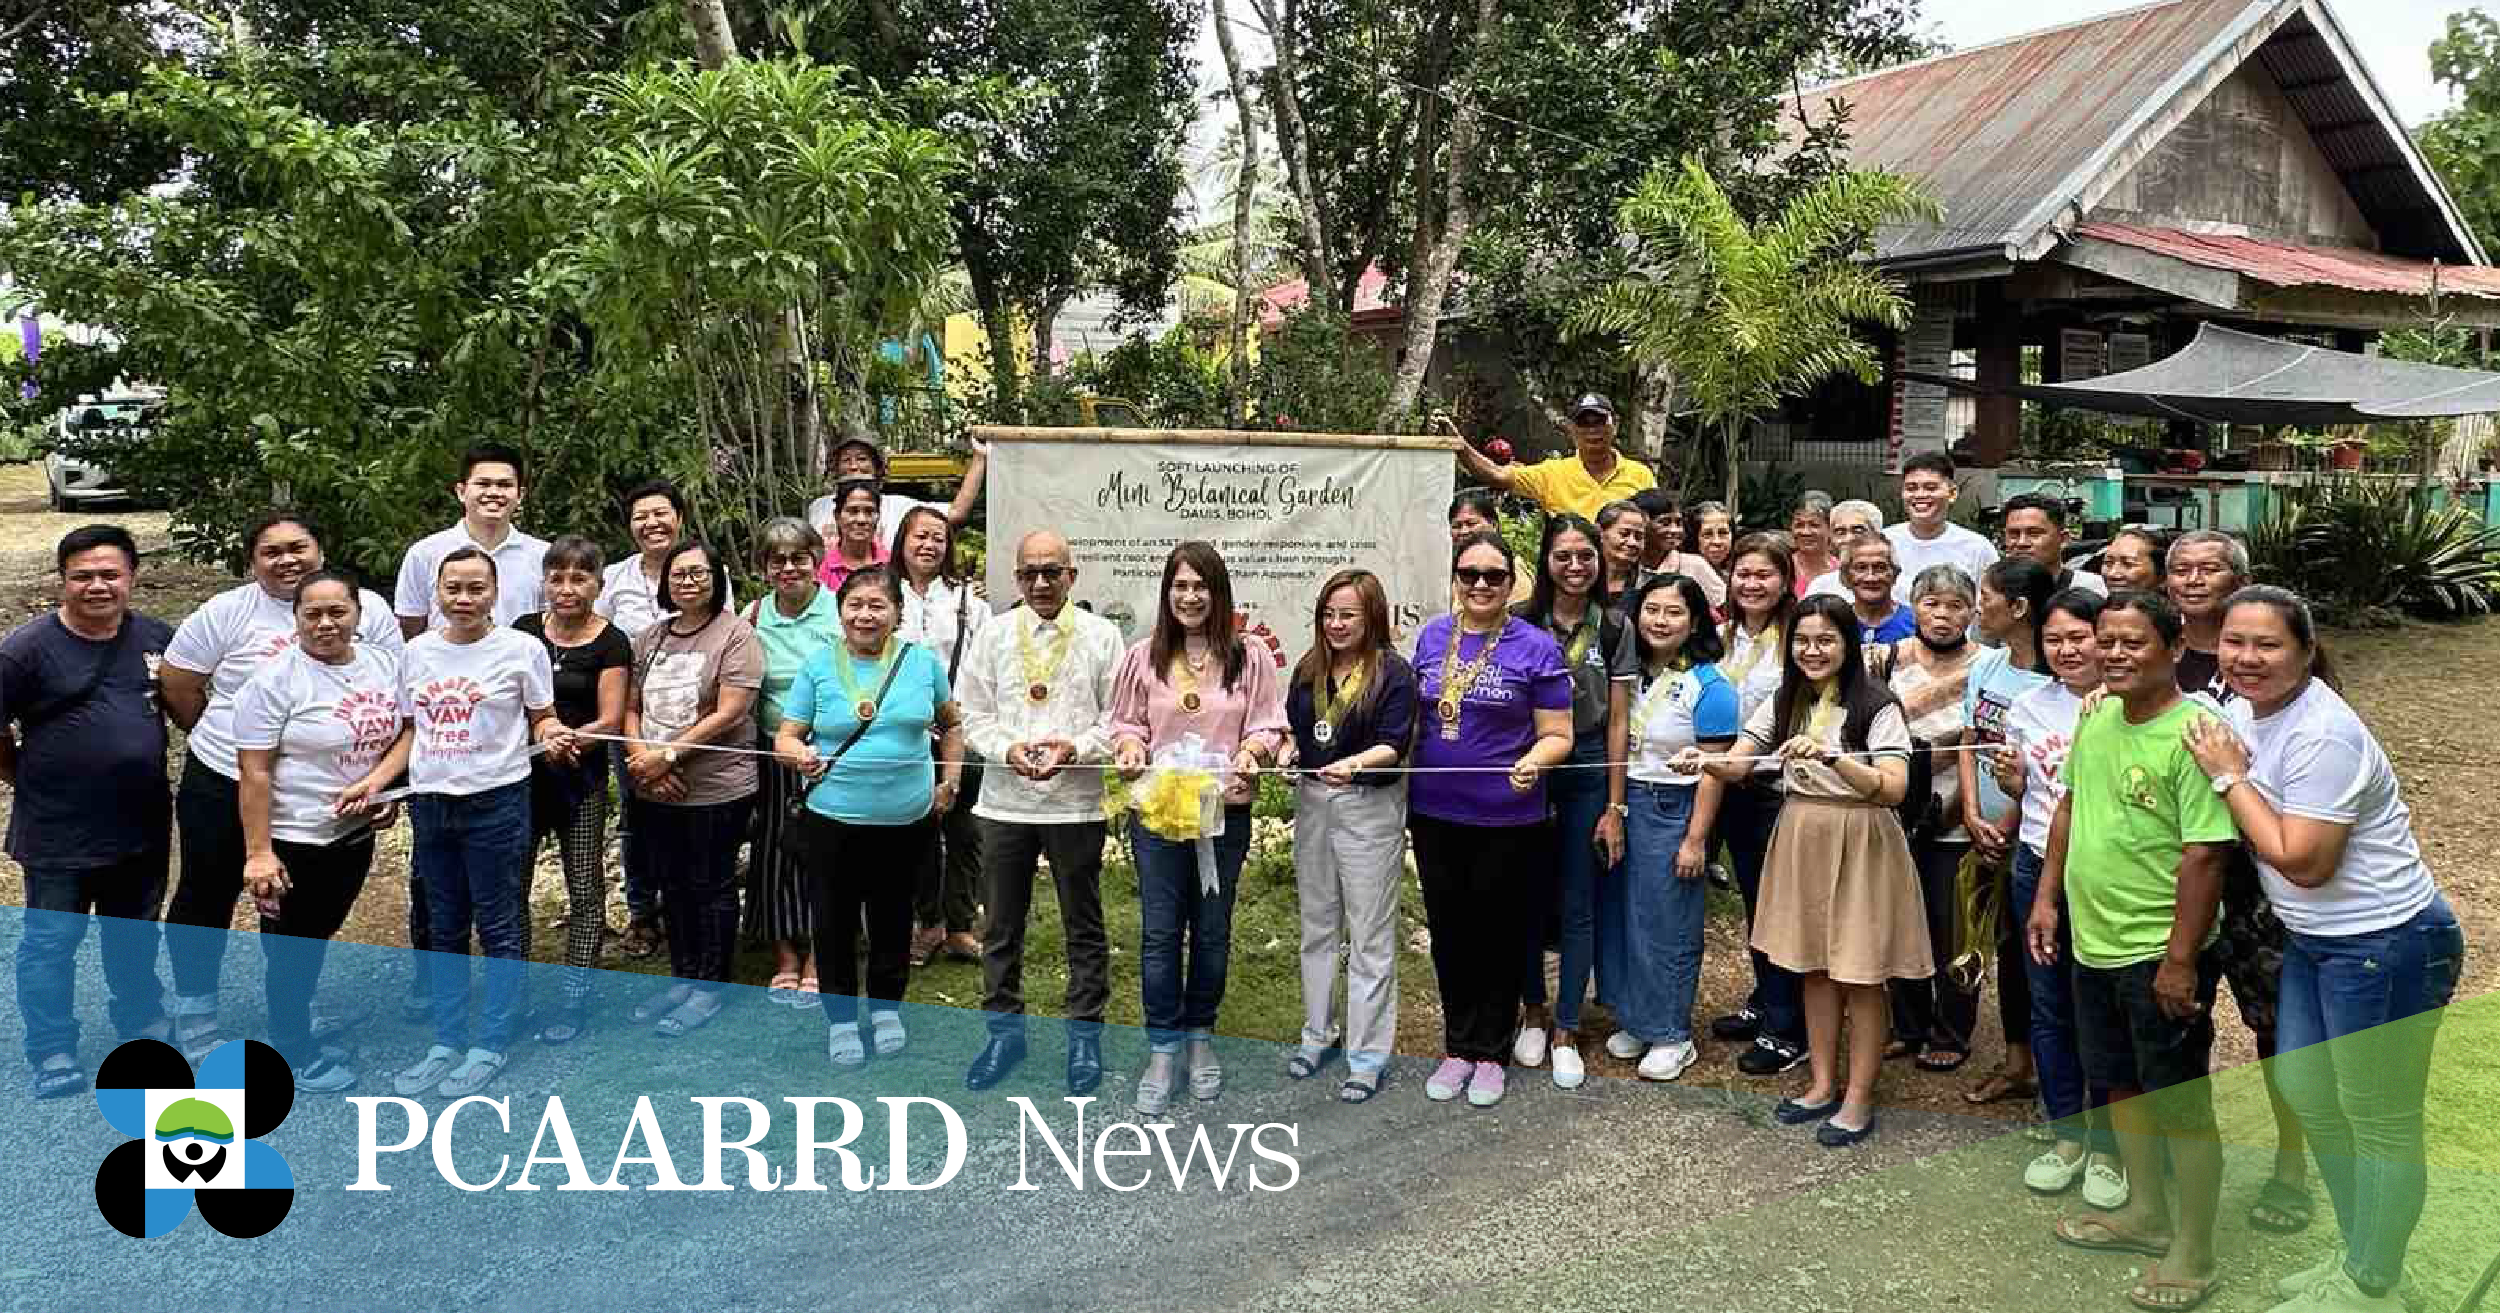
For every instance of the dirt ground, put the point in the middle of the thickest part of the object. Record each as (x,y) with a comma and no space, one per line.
(2427,690)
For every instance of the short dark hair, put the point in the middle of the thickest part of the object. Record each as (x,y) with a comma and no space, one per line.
(2160,611)
(271,519)
(1480,500)
(1932,462)
(493,453)
(1703,645)
(881,580)
(468,554)
(902,532)
(1655,502)
(1486,538)
(87,538)
(2081,603)
(574,552)
(340,575)
(651,488)
(2032,501)
(720,577)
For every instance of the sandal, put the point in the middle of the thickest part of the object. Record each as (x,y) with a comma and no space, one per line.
(57,1082)
(784,984)
(2280,1208)
(1899,1049)
(642,939)
(1941,1059)
(566,1026)
(1359,1088)
(2095,1233)
(2000,1086)
(2147,1293)
(660,1004)
(924,945)
(804,997)
(690,1016)
(1304,1064)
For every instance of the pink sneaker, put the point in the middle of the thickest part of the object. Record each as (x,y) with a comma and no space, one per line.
(1447,1079)
(1485,1087)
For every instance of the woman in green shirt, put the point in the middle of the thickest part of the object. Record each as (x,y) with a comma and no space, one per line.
(796,621)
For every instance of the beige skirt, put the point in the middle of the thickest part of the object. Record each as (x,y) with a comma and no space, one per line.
(1839,895)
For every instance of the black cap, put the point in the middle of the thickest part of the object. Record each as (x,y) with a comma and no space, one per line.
(1593,401)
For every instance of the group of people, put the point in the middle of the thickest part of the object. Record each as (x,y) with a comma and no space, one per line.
(1879,732)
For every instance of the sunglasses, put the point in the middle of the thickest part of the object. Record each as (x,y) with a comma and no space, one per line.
(1041,574)
(1474,578)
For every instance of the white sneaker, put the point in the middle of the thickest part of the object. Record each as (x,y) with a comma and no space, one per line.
(1668,1061)
(1569,1071)
(471,1075)
(2054,1172)
(886,1029)
(843,1046)
(429,1071)
(324,1075)
(1529,1049)
(2104,1185)
(2299,1283)
(1626,1046)
(2336,1293)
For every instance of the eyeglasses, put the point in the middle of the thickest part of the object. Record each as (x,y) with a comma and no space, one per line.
(696,575)
(1041,574)
(1474,578)
(787,561)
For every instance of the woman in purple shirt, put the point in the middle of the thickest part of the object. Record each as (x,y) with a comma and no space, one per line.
(1193,676)
(1497,707)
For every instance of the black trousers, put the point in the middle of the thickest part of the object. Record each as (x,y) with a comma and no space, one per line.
(325,880)
(953,871)
(1937,1012)
(1009,851)
(200,918)
(694,853)
(856,869)
(1479,887)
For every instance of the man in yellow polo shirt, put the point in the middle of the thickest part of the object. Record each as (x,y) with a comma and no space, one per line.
(1582,482)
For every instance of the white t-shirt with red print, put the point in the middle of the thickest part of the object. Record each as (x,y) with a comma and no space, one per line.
(328,725)
(232,636)
(471,704)
(2041,726)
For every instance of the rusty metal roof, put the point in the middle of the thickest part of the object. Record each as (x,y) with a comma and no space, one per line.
(2282,264)
(2019,138)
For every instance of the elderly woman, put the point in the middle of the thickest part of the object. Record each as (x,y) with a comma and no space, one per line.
(1713,532)
(1192,676)
(214,654)
(2373,951)
(1498,707)
(941,614)
(2134,560)
(799,620)
(312,721)
(695,678)
(873,726)
(856,544)
(1810,536)
(1853,522)
(1623,538)
(1929,672)
(592,659)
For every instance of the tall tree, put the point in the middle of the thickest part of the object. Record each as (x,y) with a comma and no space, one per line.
(1074,178)
(1747,314)
(1245,212)
(2463,143)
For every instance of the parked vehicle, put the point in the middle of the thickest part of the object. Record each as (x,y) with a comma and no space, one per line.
(79,465)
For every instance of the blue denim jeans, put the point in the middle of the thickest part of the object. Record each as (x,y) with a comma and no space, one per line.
(1579,798)
(2070,1101)
(1747,815)
(1185,935)
(473,855)
(2359,1014)
(1658,918)
(123,899)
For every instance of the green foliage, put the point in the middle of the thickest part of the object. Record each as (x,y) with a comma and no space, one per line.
(1175,383)
(1764,496)
(2354,546)
(2463,142)
(752,233)
(1748,314)
(1316,375)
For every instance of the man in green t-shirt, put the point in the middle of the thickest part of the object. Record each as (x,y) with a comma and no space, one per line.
(2136,856)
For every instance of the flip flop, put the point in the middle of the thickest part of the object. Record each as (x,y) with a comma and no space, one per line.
(660,1004)
(1940,1059)
(2286,1200)
(1302,1066)
(1999,1087)
(692,1015)
(2071,1230)
(2144,1293)
(1358,1089)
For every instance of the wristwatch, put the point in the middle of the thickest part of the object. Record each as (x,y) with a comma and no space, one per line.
(2226,782)
(669,755)
(1620,809)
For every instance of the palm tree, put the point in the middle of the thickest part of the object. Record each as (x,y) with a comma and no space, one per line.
(1746,315)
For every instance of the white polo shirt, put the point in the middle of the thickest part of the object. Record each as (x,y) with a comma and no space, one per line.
(519,564)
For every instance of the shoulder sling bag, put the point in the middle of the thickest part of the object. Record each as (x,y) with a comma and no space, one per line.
(795,805)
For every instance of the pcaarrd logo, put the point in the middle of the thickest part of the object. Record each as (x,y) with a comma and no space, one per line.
(194,1139)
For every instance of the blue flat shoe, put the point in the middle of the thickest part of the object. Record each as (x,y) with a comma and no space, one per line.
(1832,1135)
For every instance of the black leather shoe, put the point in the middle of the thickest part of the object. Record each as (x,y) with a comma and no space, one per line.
(998,1057)
(1084,1063)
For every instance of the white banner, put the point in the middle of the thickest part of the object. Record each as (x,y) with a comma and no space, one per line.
(1283,517)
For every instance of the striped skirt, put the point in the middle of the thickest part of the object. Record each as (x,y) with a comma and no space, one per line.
(779,898)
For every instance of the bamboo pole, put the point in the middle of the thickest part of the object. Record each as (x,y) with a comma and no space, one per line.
(1215,437)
